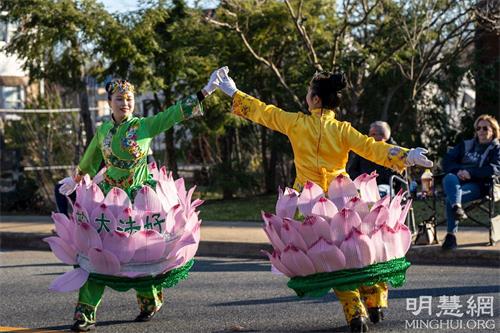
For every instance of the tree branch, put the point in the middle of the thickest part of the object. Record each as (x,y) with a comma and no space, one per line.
(313,58)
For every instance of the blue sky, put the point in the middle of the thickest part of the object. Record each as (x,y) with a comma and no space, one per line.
(127,5)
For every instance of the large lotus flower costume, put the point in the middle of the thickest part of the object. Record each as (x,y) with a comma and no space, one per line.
(155,235)
(348,239)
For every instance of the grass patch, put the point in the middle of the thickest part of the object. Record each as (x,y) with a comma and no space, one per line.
(244,209)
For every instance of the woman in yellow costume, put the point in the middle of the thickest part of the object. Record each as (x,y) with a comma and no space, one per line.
(321,145)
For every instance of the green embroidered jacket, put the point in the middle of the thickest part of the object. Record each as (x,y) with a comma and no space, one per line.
(124,146)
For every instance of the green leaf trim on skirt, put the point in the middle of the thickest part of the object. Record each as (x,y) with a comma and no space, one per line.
(317,285)
(143,284)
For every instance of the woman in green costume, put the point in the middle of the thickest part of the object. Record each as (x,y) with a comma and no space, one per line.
(123,143)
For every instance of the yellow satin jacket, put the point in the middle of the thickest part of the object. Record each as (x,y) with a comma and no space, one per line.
(320,143)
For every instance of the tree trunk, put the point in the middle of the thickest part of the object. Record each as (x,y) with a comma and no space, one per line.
(85,113)
(487,53)
(170,158)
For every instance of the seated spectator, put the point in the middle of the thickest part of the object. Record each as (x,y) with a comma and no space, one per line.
(468,168)
(357,165)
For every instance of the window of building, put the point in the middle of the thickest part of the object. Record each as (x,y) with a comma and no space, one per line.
(11,97)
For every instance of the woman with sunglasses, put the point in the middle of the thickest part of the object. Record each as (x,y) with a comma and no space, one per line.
(469,166)
(321,146)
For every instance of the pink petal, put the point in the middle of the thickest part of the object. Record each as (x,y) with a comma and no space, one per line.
(163,174)
(181,188)
(180,221)
(170,220)
(275,221)
(153,170)
(340,228)
(381,251)
(146,199)
(293,223)
(404,238)
(149,244)
(297,262)
(313,228)
(103,220)
(324,208)
(188,245)
(393,243)
(117,200)
(64,227)
(93,197)
(385,201)
(286,206)
(104,262)
(192,221)
(86,238)
(273,237)
(359,206)
(358,250)
(326,257)
(308,197)
(404,213)
(170,246)
(80,215)
(368,188)
(167,193)
(189,197)
(70,281)
(374,220)
(341,189)
(154,220)
(120,244)
(172,263)
(62,250)
(291,236)
(394,210)
(276,263)
(99,177)
(129,221)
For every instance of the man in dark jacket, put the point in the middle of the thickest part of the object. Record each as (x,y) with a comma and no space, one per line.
(469,167)
(357,165)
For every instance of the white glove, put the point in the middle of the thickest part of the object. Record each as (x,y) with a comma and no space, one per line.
(214,79)
(226,83)
(416,156)
(68,186)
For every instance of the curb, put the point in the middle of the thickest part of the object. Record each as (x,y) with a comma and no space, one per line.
(418,255)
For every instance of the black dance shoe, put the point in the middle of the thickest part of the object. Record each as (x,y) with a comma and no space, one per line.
(376,314)
(358,324)
(450,242)
(82,326)
(145,316)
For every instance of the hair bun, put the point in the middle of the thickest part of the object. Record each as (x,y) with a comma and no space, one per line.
(108,86)
(339,81)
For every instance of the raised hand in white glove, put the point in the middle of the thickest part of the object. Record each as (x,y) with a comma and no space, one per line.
(416,156)
(214,79)
(226,83)
(68,186)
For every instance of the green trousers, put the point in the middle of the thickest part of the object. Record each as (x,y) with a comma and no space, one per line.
(90,296)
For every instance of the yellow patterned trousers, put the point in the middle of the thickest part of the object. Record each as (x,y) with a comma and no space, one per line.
(352,300)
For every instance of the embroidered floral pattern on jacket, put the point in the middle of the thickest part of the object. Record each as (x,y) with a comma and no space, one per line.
(129,142)
(395,155)
(240,105)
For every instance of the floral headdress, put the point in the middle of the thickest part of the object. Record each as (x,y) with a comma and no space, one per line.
(121,86)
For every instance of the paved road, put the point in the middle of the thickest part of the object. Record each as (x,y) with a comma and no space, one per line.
(228,295)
